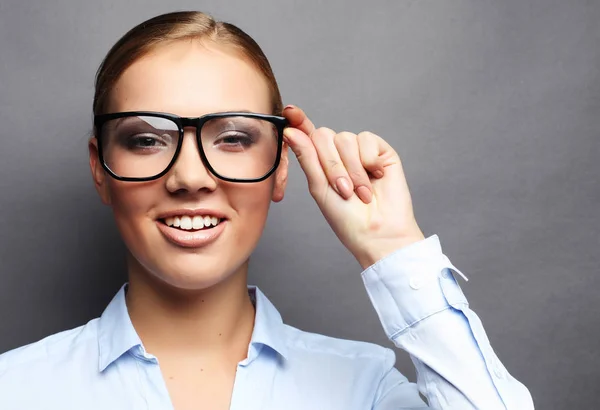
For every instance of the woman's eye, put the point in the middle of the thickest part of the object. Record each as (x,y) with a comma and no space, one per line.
(145,141)
(234,140)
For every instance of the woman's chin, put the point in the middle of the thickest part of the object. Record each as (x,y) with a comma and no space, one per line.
(194,276)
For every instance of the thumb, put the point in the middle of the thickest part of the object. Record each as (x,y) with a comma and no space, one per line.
(306,153)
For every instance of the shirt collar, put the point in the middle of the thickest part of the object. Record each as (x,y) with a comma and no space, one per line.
(116,334)
(268,326)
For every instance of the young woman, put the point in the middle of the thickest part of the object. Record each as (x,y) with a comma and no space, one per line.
(190,147)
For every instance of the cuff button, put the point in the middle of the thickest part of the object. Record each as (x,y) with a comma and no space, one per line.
(415,282)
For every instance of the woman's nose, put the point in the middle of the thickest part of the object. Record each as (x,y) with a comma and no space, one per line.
(189,173)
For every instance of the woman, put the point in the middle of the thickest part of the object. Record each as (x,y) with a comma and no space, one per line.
(190,147)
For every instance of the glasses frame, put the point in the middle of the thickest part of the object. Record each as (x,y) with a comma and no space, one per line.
(182,123)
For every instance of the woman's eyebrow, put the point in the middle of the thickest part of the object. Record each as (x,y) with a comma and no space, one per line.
(240,111)
(122,120)
(154,122)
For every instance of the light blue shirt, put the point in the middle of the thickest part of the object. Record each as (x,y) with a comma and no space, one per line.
(103,364)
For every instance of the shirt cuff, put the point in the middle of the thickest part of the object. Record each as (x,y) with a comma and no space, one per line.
(412,284)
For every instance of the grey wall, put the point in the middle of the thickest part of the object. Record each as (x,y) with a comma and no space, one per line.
(493,105)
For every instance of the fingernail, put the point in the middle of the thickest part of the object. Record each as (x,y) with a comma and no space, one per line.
(289,106)
(378,174)
(364,194)
(343,187)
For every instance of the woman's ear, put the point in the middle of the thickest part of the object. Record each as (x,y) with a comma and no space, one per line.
(98,173)
(281,175)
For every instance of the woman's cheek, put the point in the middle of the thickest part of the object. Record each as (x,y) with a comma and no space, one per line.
(254,199)
(131,202)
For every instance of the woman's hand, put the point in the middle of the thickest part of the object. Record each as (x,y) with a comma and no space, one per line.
(359,185)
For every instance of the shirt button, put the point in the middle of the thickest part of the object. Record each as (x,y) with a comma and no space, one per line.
(446,274)
(415,282)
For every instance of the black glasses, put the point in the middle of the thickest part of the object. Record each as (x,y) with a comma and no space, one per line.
(234,146)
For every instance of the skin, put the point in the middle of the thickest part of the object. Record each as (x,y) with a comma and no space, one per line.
(190,307)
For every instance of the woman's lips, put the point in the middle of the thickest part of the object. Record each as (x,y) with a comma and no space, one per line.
(191,239)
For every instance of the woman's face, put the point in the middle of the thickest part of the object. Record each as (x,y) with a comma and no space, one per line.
(190,78)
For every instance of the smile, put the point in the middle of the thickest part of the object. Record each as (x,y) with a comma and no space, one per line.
(192,223)
(192,228)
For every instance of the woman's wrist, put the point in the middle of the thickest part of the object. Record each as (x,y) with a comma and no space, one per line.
(382,250)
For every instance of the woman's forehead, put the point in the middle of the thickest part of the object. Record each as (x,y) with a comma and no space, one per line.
(191,78)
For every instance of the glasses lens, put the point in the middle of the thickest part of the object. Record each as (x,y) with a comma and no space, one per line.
(240,147)
(139,146)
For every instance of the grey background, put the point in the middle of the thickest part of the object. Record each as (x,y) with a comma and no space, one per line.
(493,106)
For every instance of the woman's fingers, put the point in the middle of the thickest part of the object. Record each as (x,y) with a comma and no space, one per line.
(307,156)
(371,147)
(324,141)
(298,119)
(345,161)
(347,146)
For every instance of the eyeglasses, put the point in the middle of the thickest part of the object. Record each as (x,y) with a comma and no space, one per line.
(234,146)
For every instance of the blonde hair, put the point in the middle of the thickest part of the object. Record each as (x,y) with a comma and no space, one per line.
(169,27)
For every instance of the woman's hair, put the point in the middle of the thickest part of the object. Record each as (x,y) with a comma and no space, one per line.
(184,25)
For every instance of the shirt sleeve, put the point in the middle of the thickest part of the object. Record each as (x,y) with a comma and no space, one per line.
(424,312)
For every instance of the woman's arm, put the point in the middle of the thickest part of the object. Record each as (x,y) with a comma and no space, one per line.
(423,311)
(359,185)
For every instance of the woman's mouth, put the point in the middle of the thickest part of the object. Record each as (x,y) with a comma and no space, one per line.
(191,231)
(192,223)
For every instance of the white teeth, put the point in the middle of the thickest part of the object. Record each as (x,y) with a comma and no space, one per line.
(186,222)
(196,222)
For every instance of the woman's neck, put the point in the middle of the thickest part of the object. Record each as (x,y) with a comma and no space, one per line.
(170,321)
